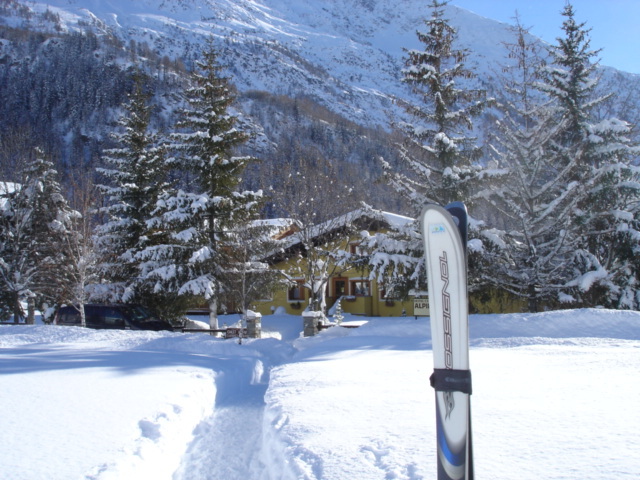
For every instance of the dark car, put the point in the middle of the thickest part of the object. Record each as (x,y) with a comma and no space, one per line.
(123,317)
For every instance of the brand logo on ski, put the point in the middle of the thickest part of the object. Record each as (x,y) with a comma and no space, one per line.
(450,403)
(446,311)
(438,229)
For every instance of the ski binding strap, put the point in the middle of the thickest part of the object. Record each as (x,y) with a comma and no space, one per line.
(449,380)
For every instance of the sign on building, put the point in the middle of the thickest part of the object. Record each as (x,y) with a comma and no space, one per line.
(421,307)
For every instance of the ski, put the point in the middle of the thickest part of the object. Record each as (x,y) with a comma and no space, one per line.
(444,231)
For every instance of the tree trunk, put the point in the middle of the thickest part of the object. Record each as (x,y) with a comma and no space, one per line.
(31,311)
(318,301)
(17,310)
(213,313)
(533,299)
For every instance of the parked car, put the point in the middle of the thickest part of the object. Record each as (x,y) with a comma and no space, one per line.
(124,317)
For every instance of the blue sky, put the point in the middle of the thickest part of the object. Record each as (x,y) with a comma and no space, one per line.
(613,23)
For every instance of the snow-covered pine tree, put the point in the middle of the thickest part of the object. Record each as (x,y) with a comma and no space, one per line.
(34,219)
(529,252)
(441,158)
(442,155)
(136,177)
(194,258)
(596,156)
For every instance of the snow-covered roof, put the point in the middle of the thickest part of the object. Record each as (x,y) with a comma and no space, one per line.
(395,220)
(392,220)
(277,228)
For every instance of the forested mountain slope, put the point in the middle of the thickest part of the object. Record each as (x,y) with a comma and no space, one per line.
(315,79)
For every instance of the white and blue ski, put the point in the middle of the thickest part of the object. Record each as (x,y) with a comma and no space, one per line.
(445,231)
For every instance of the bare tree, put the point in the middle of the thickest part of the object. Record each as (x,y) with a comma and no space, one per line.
(82,260)
(249,276)
(319,204)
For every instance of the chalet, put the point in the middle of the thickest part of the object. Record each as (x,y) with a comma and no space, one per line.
(349,286)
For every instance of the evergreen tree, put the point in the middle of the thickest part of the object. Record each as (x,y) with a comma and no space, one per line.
(570,79)
(136,180)
(441,155)
(441,158)
(194,257)
(529,252)
(34,220)
(568,192)
(596,157)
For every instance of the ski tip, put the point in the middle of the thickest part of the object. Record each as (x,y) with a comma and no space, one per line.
(457,209)
(456,205)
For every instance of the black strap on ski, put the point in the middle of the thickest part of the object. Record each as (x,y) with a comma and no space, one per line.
(449,380)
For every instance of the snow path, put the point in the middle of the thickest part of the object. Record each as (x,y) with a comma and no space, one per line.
(228,444)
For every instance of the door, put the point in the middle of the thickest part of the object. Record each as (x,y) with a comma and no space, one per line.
(339,288)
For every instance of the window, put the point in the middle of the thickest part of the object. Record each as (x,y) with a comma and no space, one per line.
(296,292)
(360,288)
(113,317)
(354,249)
(339,287)
(69,316)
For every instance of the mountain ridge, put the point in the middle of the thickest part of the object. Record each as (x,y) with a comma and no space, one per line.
(347,54)
(66,66)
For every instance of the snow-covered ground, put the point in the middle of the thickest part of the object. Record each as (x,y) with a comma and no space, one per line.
(556,396)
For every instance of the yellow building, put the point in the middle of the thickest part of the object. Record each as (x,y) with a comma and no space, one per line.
(351,286)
